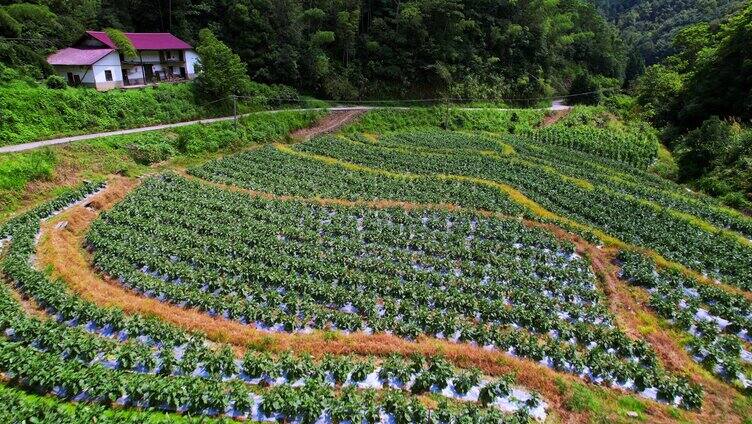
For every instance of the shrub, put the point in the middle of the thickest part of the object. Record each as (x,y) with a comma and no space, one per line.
(146,154)
(220,71)
(701,149)
(56,82)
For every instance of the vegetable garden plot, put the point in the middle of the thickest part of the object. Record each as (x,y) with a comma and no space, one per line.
(634,182)
(75,357)
(291,266)
(720,323)
(270,170)
(625,217)
(435,139)
(633,149)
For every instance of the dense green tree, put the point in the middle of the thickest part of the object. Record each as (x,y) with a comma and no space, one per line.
(697,96)
(9,27)
(721,83)
(652,25)
(221,73)
(375,48)
(659,91)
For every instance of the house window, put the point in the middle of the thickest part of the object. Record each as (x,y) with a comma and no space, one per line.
(108,75)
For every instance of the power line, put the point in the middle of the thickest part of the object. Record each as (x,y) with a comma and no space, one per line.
(445,99)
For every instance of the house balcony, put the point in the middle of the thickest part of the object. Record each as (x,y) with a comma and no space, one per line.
(134,61)
(172,61)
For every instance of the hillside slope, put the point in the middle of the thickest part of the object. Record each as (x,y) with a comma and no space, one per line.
(651,25)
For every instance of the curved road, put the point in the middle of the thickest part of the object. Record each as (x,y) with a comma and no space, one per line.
(557,105)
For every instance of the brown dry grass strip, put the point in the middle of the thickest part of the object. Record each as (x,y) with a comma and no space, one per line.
(29,306)
(554,117)
(329,123)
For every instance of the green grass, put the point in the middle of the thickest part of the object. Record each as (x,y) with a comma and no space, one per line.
(491,120)
(19,406)
(629,404)
(18,169)
(64,166)
(35,112)
(665,165)
(582,399)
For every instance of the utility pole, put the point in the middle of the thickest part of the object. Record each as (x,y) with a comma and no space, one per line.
(235,110)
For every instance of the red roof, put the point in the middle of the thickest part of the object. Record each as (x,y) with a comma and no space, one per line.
(77,56)
(145,40)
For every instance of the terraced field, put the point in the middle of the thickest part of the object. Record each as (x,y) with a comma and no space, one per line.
(407,275)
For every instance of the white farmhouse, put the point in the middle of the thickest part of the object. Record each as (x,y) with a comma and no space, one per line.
(94,61)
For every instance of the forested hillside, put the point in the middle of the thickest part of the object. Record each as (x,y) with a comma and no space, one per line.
(350,49)
(700,97)
(651,25)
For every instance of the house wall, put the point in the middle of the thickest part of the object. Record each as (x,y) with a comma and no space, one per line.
(111,63)
(135,74)
(85,73)
(162,68)
(94,75)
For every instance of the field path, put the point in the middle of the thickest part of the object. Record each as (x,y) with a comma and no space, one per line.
(331,122)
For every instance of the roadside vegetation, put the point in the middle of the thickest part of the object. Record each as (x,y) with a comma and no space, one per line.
(29,176)
(32,112)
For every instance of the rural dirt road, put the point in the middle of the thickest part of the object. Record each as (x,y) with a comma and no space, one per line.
(557,105)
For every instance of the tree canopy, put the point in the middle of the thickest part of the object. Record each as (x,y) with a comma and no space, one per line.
(375,48)
(220,71)
(651,25)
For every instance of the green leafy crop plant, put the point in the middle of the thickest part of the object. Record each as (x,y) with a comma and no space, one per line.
(293,266)
(628,218)
(101,356)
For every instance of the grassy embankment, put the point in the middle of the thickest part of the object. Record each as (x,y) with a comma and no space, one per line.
(29,177)
(30,112)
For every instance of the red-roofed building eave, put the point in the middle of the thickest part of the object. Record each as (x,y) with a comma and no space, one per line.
(146,41)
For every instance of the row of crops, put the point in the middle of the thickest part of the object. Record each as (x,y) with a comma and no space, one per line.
(632,182)
(270,170)
(297,267)
(83,353)
(584,129)
(625,216)
(631,148)
(719,322)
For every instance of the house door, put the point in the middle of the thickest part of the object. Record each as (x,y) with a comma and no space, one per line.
(70,79)
(182,72)
(148,73)
(125,77)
